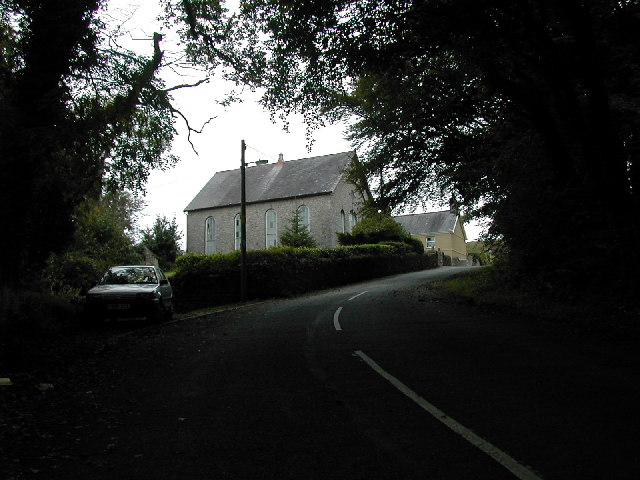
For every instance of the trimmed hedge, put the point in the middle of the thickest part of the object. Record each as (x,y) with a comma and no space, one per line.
(208,280)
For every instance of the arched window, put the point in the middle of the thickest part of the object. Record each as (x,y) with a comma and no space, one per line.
(343,222)
(352,220)
(237,231)
(271,224)
(209,236)
(303,215)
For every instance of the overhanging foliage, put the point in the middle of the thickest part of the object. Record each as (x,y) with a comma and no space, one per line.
(525,110)
(79,115)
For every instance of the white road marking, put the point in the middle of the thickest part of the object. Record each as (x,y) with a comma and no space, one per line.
(356,296)
(336,322)
(520,471)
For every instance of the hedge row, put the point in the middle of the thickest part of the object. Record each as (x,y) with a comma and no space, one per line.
(208,280)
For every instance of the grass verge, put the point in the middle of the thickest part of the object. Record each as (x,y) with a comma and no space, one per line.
(492,287)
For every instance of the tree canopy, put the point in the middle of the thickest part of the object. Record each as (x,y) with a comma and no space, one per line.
(103,236)
(162,239)
(526,110)
(79,114)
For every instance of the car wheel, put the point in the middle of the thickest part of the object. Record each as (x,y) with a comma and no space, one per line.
(92,317)
(168,312)
(156,316)
(161,314)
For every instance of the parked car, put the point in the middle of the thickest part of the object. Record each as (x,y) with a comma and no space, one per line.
(131,291)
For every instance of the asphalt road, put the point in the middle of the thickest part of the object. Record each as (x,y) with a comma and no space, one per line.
(390,379)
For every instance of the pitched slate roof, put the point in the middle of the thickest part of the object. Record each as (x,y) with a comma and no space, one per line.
(294,178)
(428,223)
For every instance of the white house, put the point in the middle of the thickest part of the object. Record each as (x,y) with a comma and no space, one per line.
(317,187)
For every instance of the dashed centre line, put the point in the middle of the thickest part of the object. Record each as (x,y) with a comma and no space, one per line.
(356,296)
(520,471)
(336,319)
(336,315)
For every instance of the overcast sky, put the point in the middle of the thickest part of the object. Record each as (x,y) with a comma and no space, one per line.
(218,147)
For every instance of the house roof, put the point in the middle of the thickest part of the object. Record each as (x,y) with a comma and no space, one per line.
(428,223)
(293,178)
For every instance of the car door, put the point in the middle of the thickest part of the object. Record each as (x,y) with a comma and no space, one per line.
(165,287)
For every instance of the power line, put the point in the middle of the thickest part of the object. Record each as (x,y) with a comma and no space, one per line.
(261,153)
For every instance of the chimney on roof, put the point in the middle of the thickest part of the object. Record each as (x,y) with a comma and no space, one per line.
(453,207)
(280,160)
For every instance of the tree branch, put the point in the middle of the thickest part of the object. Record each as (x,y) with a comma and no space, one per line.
(187,85)
(189,127)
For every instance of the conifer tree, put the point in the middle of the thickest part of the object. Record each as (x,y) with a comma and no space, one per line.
(296,234)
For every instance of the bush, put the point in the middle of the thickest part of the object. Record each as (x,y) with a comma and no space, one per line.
(374,227)
(25,316)
(71,274)
(479,258)
(415,243)
(379,228)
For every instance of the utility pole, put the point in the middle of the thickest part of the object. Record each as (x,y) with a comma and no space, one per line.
(243,227)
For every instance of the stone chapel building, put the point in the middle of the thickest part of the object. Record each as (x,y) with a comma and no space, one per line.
(317,187)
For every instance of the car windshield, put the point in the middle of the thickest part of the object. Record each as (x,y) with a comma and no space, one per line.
(126,275)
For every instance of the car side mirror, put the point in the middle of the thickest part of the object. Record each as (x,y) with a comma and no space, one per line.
(164,282)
